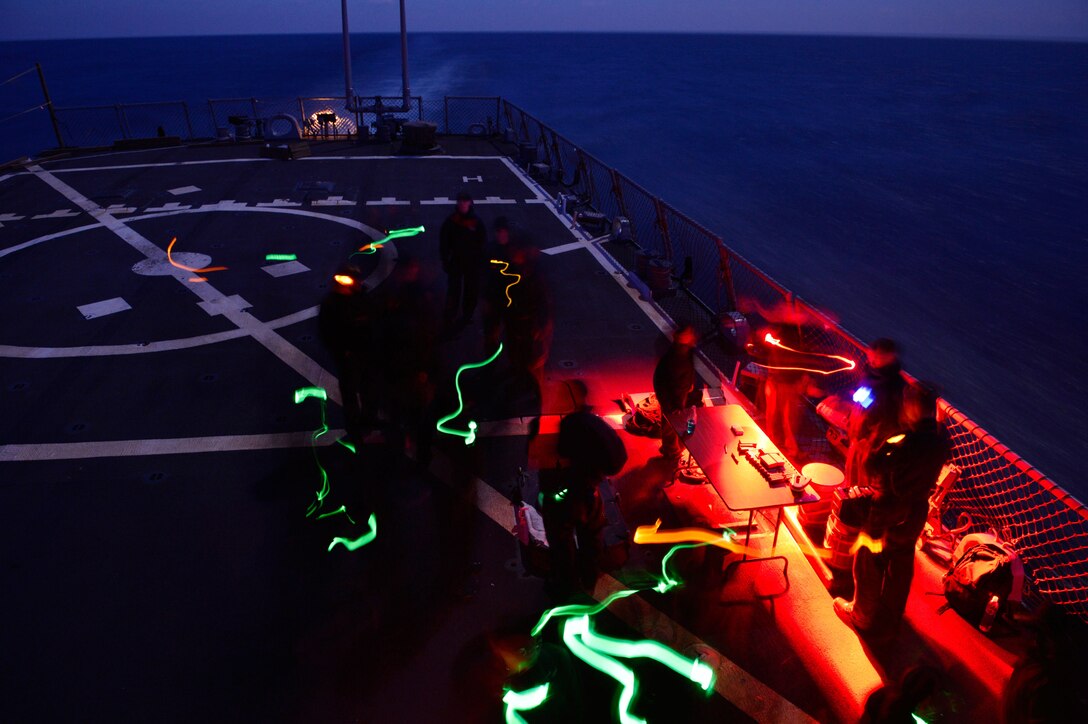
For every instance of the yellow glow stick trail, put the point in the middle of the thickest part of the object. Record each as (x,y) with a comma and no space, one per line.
(505,266)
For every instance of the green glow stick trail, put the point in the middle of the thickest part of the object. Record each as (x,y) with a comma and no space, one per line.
(342,509)
(302,394)
(580,609)
(280,257)
(519,701)
(572,631)
(372,247)
(470,434)
(365,539)
(693,669)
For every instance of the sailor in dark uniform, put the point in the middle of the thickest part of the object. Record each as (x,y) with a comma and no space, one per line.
(903,470)
(461,248)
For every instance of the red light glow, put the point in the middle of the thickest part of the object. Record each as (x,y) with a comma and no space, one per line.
(343,279)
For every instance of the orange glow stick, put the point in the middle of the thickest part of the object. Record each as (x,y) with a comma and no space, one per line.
(505,266)
(179,265)
(770,339)
(721,539)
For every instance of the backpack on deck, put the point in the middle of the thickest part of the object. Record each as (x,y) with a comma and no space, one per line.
(643,417)
(986,577)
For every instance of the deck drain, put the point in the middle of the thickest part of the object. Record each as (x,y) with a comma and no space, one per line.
(210,377)
(306,337)
(601,273)
(217,245)
(568,364)
(155,477)
(77,427)
(92,252)
(18,386)
(635,327)
(335,242)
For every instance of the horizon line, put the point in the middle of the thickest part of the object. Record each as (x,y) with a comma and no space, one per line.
(770,33)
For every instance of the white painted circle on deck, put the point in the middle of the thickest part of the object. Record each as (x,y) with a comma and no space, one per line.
(163,268)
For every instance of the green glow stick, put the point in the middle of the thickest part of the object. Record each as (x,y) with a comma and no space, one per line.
(517,701)
(693,669)
(280,257)
(342,509)
(577,627)
(372,247)
(668,582)
(580,609)
(365,539)
(304,393)
(470,434)
(918,719)
(348,444)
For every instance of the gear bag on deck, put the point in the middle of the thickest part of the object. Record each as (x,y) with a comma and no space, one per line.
(986,577)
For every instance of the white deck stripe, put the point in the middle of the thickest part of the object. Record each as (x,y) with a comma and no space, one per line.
(267,160)
(168,345)
(103,308)
(732,683)
(171,446)
(295,358)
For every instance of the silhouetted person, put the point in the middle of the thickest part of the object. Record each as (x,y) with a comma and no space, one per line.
(674,384)
(528,323)
(902,470)
(872,425)
(408,342)
(461,248)
(495,284)
(347,328)
(571,505)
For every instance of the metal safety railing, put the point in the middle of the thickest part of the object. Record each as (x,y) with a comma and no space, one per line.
(996,488)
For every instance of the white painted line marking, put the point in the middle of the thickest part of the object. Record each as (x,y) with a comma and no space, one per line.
(291,355)
(494,200)
(388,201)
(58,214)
(221,305)
(101,309)
(11,217)
(120,209)
(278,202)
(169,345)
(466,179)
(572,246)
(536,201)
(437,201)
(226,205)
(333,201)
(171,446)
(732,682)
(171,206)
(265,160)
(286,269)
(182,190)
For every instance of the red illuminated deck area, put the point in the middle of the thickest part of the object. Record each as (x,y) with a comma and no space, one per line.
(158,469)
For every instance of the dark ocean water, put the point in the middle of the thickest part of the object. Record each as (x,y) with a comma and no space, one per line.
(933,191)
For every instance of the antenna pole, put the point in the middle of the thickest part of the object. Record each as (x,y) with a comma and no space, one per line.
(349,92)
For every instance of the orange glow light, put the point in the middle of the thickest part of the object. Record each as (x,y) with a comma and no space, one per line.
(343,279)
(864,541)
(721,539)
(770,339)
(179,265)
(505,266)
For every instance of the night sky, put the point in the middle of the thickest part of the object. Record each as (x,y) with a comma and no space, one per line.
(1066,19)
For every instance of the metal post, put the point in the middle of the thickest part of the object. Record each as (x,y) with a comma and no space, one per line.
(253,105)
(121,120)
(49,105)
(215,121)
(663,225)
(349,91)
(405,90)
(188,121)
(726,278)
(446,111)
